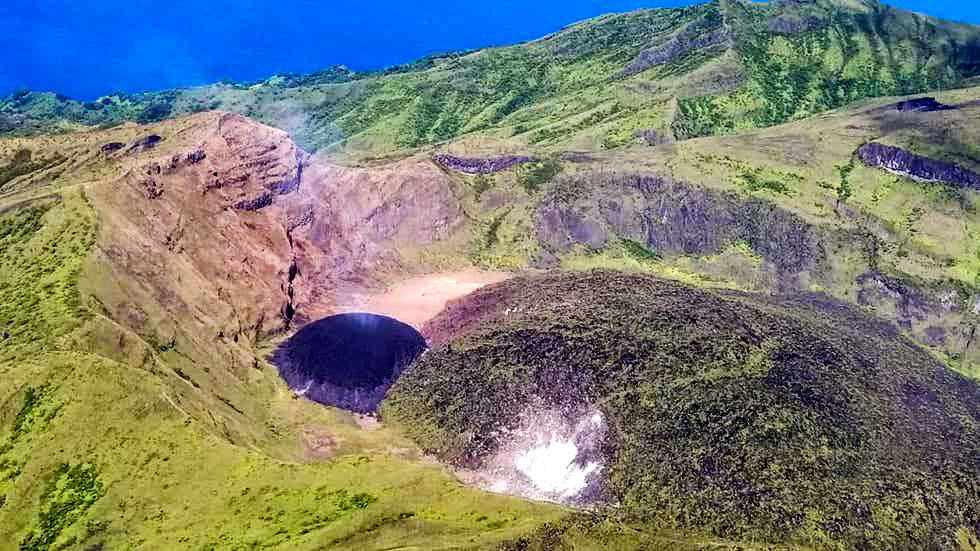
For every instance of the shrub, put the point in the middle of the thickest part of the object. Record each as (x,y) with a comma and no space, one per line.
(155,112)
(532,176)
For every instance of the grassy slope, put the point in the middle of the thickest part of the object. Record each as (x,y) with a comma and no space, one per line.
(96,451)
(570,89)
(837,55)
(926,233)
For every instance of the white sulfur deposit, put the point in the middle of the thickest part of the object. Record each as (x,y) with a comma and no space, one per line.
(550,456)
(552,468)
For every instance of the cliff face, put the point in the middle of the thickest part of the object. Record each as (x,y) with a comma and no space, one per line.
(918,167)
(238,233)
(673,218)
(751,242)
(488,165)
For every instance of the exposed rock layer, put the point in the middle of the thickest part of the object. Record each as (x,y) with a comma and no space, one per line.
(916,166)
(482,165)
(672,217)
(699,35)
(229,226)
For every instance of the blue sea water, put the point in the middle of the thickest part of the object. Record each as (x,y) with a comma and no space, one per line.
(85,49)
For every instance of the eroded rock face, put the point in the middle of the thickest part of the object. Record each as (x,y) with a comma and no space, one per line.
(789,24)
(701,34)
(672,218)
(482,165)
(651,136)
(937,315)
(146,142)
(228,227)
(916,166)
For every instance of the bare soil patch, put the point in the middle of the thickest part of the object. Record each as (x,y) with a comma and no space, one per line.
(417,300)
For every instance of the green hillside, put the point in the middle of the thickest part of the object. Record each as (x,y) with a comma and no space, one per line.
(779,331)
(757,420)
(709,69)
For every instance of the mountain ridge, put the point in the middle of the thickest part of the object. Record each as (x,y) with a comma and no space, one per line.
(817,337)
(572,87)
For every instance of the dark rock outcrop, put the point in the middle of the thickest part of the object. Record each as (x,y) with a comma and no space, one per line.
(936,313)
(651,137)
(112,146)
(699,35)
(254,203)
(196,156)
(672,218)
(922,105)
(147,142)
(788,24)
(577,157)
(482,165)
(915,166)
(152,188)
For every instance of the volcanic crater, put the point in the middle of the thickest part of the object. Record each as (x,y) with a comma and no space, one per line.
(348,360)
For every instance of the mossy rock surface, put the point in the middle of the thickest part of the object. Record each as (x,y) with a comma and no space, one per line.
(789,420)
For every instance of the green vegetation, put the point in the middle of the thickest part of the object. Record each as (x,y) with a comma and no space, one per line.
(100,447)
(841,57)
(487,237)
(590,80)
(701,116)
(740,421)
(844,190)
(19,225)
(754,429)
(41,252)
(482,184)
(754,181)
(69,492)
(23,163)
(533,176)
(638,252)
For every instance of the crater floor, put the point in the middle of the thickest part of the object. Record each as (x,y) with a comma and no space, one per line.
(348,360)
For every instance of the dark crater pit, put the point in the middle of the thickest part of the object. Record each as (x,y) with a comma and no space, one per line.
(348,360)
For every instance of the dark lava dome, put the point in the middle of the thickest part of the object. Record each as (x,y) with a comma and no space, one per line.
(747,416)
(348,360)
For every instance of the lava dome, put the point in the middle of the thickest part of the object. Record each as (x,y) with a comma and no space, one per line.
(348,360)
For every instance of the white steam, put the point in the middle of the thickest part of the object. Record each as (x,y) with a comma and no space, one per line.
(552,468)
(551,456)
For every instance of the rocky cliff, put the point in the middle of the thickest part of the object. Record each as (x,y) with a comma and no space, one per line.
(917,167)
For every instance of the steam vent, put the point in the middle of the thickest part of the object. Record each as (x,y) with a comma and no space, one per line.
(348,360)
